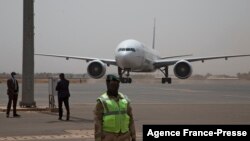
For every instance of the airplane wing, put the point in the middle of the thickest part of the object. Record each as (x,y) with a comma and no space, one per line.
(167,62)
(87,59)
(176,56)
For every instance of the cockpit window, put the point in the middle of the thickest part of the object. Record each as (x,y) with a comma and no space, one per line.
(121,49)
(126,49)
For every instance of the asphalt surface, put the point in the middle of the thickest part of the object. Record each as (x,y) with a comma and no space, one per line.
(183,102)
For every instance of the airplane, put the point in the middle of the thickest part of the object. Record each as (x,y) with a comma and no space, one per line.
(133,56)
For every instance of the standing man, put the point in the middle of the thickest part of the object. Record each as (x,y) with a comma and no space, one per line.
(12,93)
(63,95)
(113,114)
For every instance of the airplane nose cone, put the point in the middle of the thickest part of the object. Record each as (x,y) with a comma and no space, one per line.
(125,60)
(128,54)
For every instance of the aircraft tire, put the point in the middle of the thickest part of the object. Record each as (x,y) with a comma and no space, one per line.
(163,80)
(129,80)
(169,80)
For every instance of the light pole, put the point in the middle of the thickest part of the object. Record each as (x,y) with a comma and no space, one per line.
(28,55)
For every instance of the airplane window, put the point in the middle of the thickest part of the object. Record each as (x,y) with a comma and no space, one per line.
(126,49)
(130,49)
(121,49)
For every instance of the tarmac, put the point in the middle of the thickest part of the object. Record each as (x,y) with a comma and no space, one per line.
(189,102)
(42,124)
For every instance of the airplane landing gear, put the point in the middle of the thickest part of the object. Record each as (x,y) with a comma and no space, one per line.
(126,79)
(166,78)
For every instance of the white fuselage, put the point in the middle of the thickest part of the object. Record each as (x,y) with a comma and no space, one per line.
(133,55)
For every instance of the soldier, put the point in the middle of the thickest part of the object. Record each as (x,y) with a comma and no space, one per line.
(113,114)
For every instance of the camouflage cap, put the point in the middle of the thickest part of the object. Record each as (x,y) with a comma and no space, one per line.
(111,77)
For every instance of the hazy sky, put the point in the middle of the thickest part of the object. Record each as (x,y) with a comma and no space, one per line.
(95,27)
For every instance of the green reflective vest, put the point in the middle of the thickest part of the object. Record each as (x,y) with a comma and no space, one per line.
(115,117)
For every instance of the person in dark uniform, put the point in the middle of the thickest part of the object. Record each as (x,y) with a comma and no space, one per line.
(63,95)
(113,114)
(12,93)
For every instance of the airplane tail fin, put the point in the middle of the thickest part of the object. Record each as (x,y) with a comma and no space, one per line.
(153,44)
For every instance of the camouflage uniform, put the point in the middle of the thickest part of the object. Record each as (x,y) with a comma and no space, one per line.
(106,136)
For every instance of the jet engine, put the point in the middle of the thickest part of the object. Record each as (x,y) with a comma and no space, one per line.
(182,69)
(96,69)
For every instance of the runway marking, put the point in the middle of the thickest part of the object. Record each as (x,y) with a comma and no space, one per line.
(43,137)
(71,134)
(179,89)
(237,96)
(183,90)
